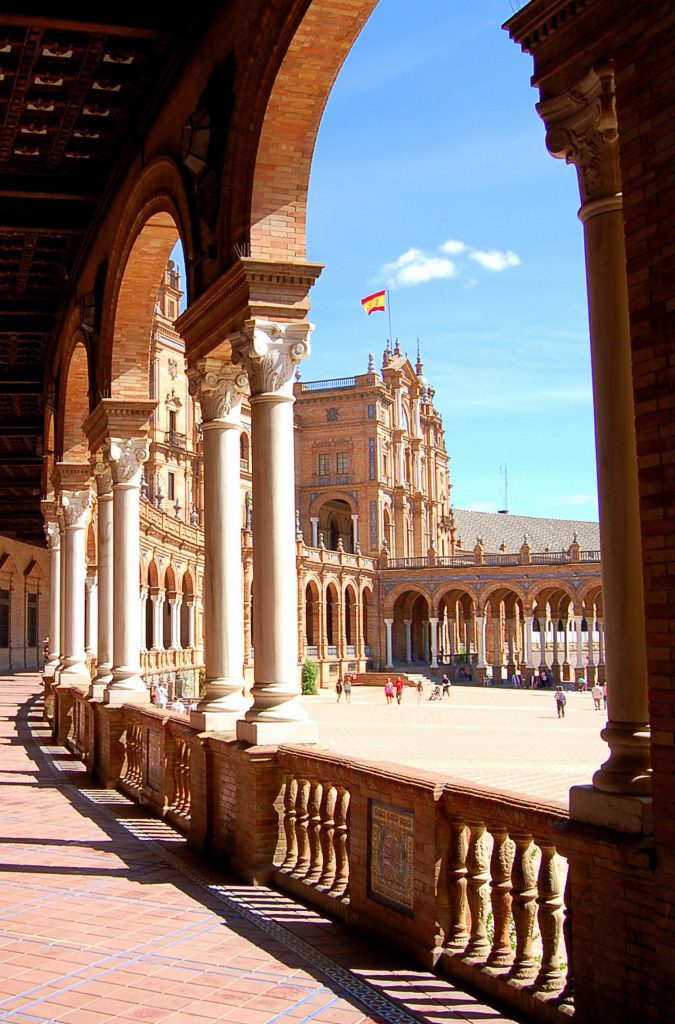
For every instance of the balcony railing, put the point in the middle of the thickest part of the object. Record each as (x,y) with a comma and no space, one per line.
(329,385)
(175,440)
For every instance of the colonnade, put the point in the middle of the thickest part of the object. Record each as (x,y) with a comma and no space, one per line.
(264,356)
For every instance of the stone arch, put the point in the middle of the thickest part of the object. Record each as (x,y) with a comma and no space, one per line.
(187,588)
(351,612)
(156,216)
(245,451)
(332,613)
(305,76)
(312,612)
(414,590)
(74,404)
(368,619)
(170,580)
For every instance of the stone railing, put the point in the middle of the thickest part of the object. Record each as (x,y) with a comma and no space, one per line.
(468,559)
(466,880)
(323,555)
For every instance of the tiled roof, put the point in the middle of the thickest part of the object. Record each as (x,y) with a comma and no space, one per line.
(542,534)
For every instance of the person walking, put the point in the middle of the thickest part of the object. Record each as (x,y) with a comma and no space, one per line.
(389,691)
(560,701)
(399,689)
(597,696)
(420,691)
(338,689)
(604,694)
(348,690)
(445,682)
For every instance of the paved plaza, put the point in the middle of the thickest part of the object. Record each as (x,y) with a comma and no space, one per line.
(496,737)
(105,915)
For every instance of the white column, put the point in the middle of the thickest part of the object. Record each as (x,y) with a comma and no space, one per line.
(314,520)
(527,636)
(543,637)
(355,530)
(62,588)
(157,621)
(174,605)
(601,643)
(408,640)
(125,458)
(389,623)
(450,647)
(433,626)
(54,547)
(590,621)
(270,353)
(144,605)
(191,623)
(582,128)
(220,387)
(91,616)
(76,506)
(480,626)
(580,642)
(425,639)
(104,505)
(566,652)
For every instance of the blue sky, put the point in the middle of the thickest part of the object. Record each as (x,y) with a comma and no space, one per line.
(431,176)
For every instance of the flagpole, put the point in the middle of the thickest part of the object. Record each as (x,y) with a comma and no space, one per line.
(391,336)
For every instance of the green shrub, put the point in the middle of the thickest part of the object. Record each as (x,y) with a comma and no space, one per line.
(310,671)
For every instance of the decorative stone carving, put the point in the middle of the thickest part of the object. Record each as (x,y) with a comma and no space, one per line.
(126,458)
(103,477)
(53,535)
(75,506)
(219,388)
(581,128)
(270,352)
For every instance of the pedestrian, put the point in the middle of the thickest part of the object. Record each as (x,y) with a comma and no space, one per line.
(420,691)
(399,689)
(389,690)
(161,695)
(604,694)
(445,682)
(338,689)
(597,696)
(178,706)
(348,689)
(560,701)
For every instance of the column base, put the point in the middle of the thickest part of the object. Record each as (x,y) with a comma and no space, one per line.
(273,733)
(97,691)
(74,675)
(49,670)
(215,721)
(115,698)
(631,814)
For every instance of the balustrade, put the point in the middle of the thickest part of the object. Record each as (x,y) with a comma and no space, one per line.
(316,827)
(181,803)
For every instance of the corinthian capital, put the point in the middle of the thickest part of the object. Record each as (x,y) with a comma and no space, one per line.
(53,535)
(269,352)
(581,128)
(125,458)
(102,476)
(75,506)
(219,388)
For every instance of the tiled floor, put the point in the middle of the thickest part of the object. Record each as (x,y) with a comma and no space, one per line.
(106,915)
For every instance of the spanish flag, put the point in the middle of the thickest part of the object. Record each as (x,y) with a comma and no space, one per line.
(373,302)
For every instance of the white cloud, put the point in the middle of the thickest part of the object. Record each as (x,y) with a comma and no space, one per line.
(452,247)
(493,259)
(415,267)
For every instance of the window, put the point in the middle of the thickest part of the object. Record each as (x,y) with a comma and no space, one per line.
(4,618)
(171,486)
(342,463)
(371,412)
(324,467)
(173,416)
(31,620)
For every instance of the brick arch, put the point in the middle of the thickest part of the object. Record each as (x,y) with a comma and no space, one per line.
(317,50)
(455,594)
(325,497)
(73,404)
(590,591)
(504,592)
(156,216)
(413,590)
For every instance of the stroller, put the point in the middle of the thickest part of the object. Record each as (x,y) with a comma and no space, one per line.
(435,693)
